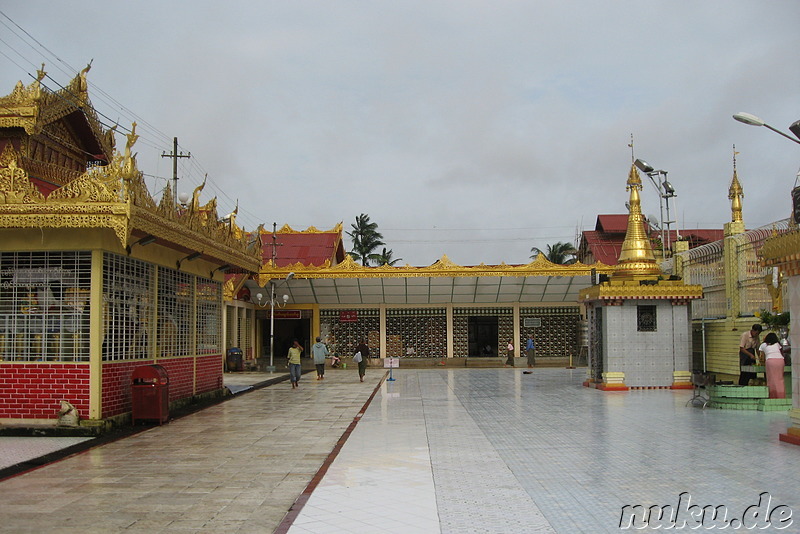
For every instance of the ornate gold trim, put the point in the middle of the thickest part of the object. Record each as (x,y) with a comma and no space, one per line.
(616,292)
(115,196)
(444,267)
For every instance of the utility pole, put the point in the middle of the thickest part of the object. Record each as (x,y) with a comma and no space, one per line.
(175,155)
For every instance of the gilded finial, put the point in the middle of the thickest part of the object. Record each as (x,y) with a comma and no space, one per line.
(633,156)
(735,193)
(636,257)
(84,84)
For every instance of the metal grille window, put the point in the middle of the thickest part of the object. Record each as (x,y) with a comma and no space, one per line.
(127,308)
(245,334)
(175,313)
(209,317)
(646,318)
(44,306)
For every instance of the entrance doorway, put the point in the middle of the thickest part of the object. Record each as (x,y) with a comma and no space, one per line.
(482,332)
(286,331)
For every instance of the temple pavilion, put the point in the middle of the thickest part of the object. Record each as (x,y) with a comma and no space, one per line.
(97,278)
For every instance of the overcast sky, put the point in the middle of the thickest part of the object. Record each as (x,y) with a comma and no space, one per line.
(466,128)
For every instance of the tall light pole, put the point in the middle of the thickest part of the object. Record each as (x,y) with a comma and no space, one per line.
(665,192)
(272,303)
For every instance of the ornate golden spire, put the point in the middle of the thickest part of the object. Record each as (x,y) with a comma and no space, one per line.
(637,256)
(735,193)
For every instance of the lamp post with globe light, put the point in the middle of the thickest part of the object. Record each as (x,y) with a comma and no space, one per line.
(272,303)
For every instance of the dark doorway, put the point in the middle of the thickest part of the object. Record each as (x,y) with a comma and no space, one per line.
(483,333)
(286,331)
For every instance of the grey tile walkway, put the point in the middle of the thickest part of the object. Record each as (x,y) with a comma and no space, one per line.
(539,453)
(440,450)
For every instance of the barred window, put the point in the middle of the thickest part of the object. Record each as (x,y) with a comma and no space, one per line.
(175,312)
(646,318)
(44,306)
(209,317)
(127,308)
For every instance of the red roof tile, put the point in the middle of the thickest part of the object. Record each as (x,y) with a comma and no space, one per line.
(306,248)
(604,243)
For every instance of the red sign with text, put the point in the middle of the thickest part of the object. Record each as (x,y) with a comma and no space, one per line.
(350,316)
(287,314)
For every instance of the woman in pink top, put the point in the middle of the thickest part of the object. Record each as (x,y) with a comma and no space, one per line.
(774,365)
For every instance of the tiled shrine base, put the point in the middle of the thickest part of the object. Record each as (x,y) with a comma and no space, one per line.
(730,397)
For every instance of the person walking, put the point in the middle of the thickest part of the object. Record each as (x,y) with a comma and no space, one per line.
(363,350)
(773,362)
(294,363)
(747,353)
(319,351)
(510,358)
(530,350)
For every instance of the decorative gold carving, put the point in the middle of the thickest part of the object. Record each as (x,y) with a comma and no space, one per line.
(617,292)
(286,229)
(442,268)
(34,107)
(94,186)
(15,187)
(9,155)
(115,196)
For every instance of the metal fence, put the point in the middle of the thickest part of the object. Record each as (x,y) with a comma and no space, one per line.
(705,265)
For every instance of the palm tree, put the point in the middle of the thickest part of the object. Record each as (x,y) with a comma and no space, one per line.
(385,258)
(558,253)
(366,239)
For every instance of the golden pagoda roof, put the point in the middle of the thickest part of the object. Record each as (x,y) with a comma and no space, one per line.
(735,193)
(115,197)
(636,258)
(34,108)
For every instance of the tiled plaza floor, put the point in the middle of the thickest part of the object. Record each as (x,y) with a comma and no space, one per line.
(439,450)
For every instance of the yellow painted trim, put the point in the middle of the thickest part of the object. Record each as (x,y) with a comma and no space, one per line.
(316,324)
(154,327)
(517,332)
(632,289)
(382,329)
(96,337)
(450,331)
(193,342)
(442,268)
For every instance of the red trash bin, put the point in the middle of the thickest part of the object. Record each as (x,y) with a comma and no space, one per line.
(150,394)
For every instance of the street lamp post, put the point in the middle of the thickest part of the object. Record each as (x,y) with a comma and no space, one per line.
(272,303)
(752,120)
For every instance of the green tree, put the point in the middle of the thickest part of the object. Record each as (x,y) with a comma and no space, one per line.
(385,257)
(366,239)
(559,253)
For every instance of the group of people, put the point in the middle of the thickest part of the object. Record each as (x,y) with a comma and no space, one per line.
(319,351)
(530,351)
(773,360)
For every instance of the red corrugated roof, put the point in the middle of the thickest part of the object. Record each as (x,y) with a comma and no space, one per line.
(306,248)
(604,243)
(603,248)
(612,224)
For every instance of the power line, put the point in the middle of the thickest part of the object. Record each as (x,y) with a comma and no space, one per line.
(157,142)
